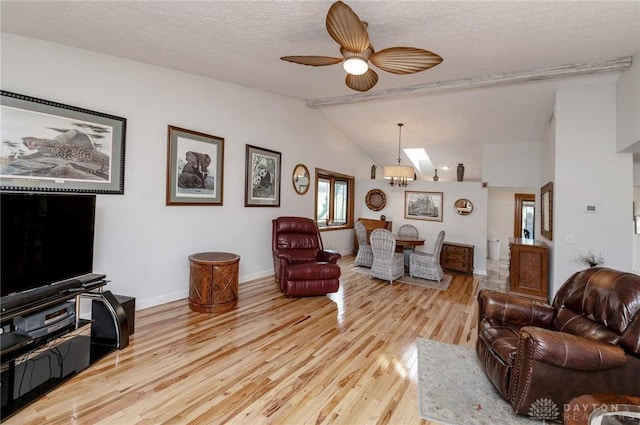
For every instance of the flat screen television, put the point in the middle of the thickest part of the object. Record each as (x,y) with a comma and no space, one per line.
(45,239)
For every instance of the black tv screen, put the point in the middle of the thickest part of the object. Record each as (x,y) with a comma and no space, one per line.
(46,239)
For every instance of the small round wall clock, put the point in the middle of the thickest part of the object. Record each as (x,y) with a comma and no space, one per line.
(375,199)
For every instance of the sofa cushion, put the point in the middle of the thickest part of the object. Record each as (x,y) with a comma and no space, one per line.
(578,324)
(299,255)
(605,296)
(312,271)
(297,241)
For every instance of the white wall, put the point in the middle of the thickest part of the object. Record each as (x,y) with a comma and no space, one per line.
(141,244)
(628,109)
(547,174)
(511,165)
(628,104)
(470,229)
(589,171)
(636,236)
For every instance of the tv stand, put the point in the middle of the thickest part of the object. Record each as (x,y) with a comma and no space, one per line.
(83,342)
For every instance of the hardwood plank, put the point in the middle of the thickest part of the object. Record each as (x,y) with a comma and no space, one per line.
(346,358)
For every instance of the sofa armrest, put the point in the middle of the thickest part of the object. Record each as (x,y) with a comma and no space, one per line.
(570,351)
(514,309)
(329,256)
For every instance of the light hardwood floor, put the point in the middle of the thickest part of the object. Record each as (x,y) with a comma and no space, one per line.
(347,358)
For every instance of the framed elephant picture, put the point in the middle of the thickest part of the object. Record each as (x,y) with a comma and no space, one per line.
(262,177)
(194,168)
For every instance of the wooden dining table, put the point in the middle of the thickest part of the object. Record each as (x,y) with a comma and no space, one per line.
(407,242)
(406,245)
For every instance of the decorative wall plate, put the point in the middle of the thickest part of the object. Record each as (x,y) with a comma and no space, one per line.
(375,199)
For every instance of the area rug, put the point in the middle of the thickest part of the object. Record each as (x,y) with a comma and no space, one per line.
(453,389)
(434,284)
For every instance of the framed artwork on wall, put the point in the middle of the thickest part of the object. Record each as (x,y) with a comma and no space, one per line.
(194,168)
(53,147)
(546,215)
(262,177)
(423,205)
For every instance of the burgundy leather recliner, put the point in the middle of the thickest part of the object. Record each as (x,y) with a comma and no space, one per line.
(301,264)
(586,342)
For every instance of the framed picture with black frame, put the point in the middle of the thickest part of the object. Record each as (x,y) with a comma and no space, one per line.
(52,147)
(262,177)
(195,168)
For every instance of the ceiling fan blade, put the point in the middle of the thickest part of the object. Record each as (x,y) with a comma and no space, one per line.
(346,28)
(362,82)
(404,60)
(312,60)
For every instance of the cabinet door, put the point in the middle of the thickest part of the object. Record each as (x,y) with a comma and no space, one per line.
(529,270)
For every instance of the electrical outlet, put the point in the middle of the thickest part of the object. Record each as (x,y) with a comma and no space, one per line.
(570,238)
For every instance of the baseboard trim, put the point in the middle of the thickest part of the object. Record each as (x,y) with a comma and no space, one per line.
(180,295)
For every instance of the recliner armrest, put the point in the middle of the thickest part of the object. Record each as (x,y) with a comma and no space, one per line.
(297,255)
(283,255)
(328,256)
(514,309)
(570,351)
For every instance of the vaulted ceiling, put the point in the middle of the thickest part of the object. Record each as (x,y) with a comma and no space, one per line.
(503,60)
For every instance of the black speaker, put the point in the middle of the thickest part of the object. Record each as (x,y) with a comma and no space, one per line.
(129,305)
(102,328)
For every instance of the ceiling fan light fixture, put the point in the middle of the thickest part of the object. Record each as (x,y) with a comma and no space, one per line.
(355,66)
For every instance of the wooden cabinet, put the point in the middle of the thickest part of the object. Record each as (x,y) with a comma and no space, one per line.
(213,282)
(528,268)
(370,225)
(457,257)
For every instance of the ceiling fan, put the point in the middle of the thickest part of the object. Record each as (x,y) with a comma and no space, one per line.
(346,28)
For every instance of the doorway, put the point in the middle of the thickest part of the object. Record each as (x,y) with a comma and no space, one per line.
(525,214)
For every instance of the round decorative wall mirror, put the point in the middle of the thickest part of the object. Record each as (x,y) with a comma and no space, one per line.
(300,179)
(463,206)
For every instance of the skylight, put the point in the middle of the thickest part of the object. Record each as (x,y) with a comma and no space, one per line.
(419,158)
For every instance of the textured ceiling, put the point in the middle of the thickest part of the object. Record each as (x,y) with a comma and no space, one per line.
(241,42)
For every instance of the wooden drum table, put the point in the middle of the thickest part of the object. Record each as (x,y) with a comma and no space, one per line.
(213,282)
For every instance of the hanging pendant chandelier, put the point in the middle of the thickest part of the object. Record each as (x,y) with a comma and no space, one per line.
(400,175)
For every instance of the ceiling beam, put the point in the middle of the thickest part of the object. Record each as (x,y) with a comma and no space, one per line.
(611,65)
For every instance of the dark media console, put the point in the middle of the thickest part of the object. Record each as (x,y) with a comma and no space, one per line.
(35,296)
(38,331)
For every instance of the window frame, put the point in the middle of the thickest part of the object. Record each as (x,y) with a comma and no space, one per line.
(333,177)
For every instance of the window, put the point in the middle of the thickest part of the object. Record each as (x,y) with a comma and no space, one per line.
(334,200)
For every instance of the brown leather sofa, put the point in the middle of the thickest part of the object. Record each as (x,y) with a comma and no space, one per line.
(302,266)
(587,341)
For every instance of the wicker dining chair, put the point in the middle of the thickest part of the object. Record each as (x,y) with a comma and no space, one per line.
(365,254)
(387,263)
(427,266)
(408,230)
